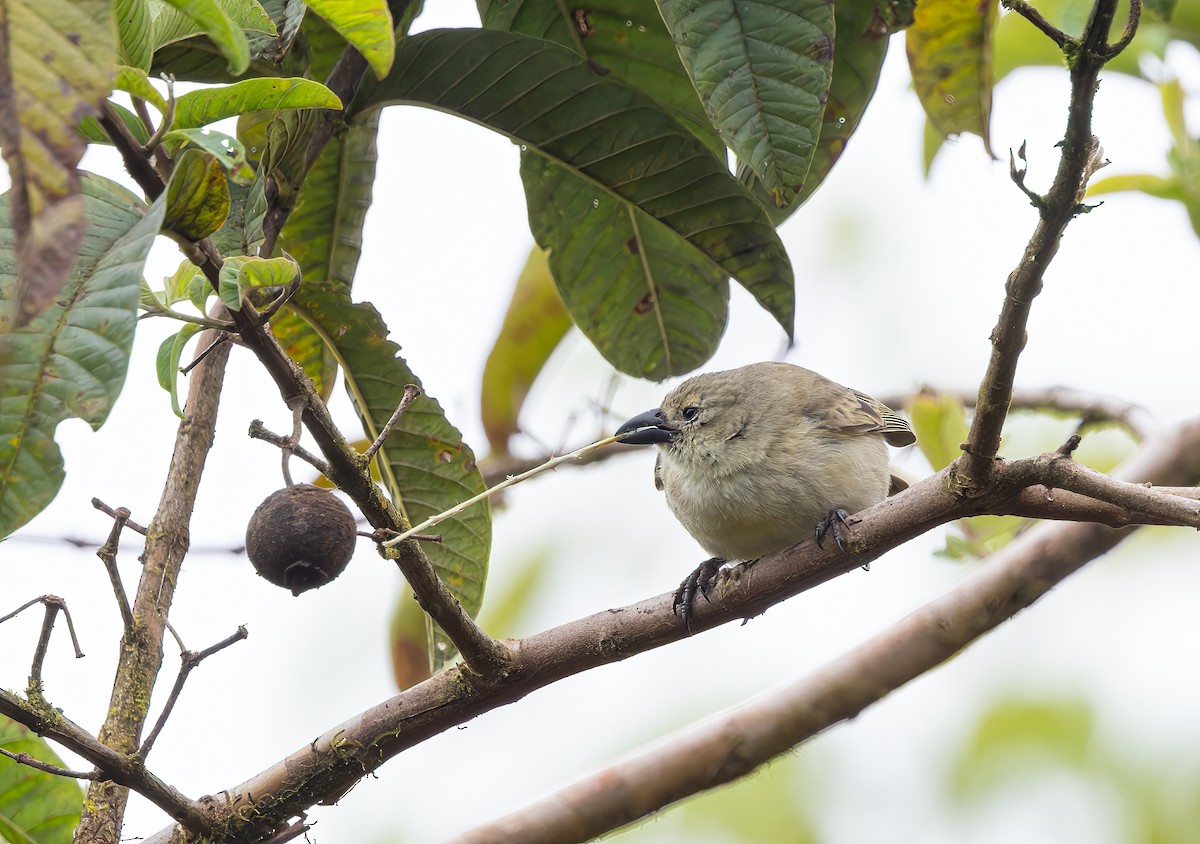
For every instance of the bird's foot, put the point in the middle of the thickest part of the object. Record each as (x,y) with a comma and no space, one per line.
(833,523)
(694,584)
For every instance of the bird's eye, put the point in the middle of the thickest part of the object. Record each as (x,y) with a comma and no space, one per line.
(690,413)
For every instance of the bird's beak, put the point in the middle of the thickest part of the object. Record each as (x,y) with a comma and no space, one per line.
(646,429)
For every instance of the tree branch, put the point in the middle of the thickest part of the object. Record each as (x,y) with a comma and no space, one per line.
(1059,206)
(347,471)
(722,749)
(114,767)
(347,752)
(167,540)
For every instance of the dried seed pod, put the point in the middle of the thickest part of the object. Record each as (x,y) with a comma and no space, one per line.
(301,537)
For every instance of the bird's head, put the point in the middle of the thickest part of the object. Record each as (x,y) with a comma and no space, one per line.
(700,418)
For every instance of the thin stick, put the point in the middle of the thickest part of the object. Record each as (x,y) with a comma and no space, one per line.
(411,391)
(109,511)
(577,454)
(259,432)
(190,660)
(289,445)
(108,555)
(26,759)
(222,337)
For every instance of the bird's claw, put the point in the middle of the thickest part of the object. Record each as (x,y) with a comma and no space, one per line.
(833,523)
(694,584)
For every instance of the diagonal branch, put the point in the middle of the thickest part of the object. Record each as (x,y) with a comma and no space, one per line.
(722,749)
(1059,206)
(344,754)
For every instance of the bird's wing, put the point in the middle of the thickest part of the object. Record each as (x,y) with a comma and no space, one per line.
(848,411)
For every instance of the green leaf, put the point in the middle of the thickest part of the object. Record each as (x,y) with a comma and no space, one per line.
(632,42)
(1028,732)
(225,148)
(243,230)
(197,196)
(57,59)
(762,71)
(186,284)
(324,235)
(135,32)
(243,273)
(651,304)
(627,39)
(324,231)
(610,135)
(167,363)
(426,465)
(199,108)
(214,20)
(534,324)
(91,131)
(366,24)
(949,54)
(940,423)
(858,55)
(71,360)
(35,806)
(408,641)
(135,82)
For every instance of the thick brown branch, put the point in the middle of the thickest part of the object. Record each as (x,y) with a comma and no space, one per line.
(717,751)
(167,540)
(345,753)
(115,767)
(1060,205)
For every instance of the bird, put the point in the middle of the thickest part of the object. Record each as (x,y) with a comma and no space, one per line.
(759,458)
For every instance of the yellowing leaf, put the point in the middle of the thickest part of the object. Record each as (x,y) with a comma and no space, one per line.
(940,424)
(534,324)
(58,59)
(199,108)
(367,24)
(197,196)
(949,54)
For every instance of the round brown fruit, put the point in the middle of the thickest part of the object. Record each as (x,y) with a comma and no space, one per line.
(301,537)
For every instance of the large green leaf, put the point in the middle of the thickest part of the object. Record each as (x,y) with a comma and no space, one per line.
(651,304)
(630,40)
(949,53)
(57,59)
(625,37)
(229,24)
(367,24)
(324,231)
(615,138)
(35,806)
(762,70)
(324,235)
(858,53)
(534,324)
(427,468)
(71,360)
(135,32)
(199,108)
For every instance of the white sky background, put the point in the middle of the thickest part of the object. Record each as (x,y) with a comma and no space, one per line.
(899,281)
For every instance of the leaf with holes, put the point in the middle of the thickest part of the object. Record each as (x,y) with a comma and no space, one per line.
(950,56)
